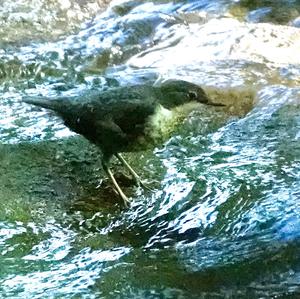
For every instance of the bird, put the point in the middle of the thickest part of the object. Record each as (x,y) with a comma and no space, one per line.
(125,118)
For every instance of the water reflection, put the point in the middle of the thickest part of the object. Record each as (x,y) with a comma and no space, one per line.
(72,277)
(223,219)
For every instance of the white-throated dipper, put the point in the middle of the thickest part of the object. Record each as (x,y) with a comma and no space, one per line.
(122,119)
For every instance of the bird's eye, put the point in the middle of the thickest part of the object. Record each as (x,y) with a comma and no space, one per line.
(192,95)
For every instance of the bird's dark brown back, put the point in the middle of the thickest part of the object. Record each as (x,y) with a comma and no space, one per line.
(115,118)
(112,119)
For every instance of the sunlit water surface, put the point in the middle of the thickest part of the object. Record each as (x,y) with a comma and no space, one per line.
(222,220)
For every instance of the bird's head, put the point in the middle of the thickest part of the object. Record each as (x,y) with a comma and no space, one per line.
(174,93)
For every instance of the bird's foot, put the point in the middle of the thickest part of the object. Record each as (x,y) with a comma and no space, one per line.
(134,175)
(144,185)
(121,194)
(129,180)
(125,200)
(116,185)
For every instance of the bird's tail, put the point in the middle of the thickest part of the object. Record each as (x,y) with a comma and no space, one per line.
(52,104)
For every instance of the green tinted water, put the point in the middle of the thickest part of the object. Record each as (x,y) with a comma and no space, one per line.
(223,219)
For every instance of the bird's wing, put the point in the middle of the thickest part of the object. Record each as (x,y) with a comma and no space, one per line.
(109,137)
(128,107)
(131,116)
(118,126)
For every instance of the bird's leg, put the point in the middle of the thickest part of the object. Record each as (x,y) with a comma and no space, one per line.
(136,177)
(119,190)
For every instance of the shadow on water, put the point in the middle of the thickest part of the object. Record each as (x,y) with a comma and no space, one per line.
(64,171)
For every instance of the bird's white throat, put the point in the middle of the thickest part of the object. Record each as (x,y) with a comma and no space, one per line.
(163,122)
(159,124)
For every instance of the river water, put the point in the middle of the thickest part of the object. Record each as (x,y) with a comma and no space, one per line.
(222,220)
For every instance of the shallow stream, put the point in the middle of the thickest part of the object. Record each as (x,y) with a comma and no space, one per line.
(223,218)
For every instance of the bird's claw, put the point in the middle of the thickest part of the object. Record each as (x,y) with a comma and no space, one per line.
(123,196)
(144,186)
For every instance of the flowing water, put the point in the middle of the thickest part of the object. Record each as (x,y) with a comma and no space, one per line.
(222,220)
